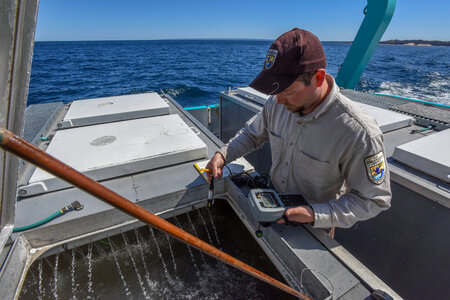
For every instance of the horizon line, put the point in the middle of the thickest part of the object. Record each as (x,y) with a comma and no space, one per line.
(175,39)
(219,39)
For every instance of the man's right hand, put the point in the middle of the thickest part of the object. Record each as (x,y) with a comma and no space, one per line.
(216,165)
(299,214)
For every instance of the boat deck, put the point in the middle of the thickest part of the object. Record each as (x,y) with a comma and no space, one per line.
(178,187)
(299,253)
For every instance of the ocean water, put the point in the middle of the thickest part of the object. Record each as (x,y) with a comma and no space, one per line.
(195,71)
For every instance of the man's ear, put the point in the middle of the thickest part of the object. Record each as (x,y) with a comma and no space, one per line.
(320,77)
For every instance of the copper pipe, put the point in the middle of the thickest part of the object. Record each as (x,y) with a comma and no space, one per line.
(36,156)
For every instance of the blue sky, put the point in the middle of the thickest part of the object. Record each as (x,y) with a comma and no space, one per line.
(330,20)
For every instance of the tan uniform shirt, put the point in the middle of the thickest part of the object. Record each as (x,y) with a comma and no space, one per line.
(333,156)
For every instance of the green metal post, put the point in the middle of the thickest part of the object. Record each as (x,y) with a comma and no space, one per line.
(378,15)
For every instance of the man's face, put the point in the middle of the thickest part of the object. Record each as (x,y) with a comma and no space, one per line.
(298,97)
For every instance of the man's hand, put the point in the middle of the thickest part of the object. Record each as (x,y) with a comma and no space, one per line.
(299,214)
(216,165)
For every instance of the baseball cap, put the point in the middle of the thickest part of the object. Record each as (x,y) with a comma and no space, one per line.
(293,53)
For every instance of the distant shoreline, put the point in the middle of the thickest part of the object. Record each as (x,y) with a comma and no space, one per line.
(388,42)
(415,43)
(406,43)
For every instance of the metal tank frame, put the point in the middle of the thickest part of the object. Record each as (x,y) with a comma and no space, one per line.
(17,29)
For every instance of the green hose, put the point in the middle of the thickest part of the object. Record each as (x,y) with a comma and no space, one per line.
(73,206)
(41,222)
(431,127)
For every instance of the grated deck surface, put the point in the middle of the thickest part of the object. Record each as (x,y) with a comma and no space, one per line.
(38,117)
(418,110)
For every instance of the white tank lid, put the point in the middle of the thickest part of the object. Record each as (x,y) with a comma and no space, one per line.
(387,120)
(429,155)
(115,149)
(112,109)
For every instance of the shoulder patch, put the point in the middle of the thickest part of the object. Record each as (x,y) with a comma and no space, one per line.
(376,167)
(270,58)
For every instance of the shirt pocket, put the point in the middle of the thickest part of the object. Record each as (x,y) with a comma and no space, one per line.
(276,148)
(313,174)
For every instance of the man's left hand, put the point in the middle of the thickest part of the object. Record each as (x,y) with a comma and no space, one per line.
(299,214)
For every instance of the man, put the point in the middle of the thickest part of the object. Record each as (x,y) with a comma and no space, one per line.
(323,146)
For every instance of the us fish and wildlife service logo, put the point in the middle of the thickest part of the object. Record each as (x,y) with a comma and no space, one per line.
(376,167)
(270,58)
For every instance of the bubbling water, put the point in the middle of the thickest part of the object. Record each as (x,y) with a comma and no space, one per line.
(148,264)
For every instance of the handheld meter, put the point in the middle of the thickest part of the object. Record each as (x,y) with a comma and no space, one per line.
(267,206)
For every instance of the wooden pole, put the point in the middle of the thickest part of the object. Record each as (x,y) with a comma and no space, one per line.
(36,156)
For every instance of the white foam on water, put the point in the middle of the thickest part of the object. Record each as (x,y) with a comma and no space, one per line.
(195,232)
(89,259)
(72,276)
(189,248)
(165,270)
(55,277)
(206,228)
(41,287)
(397,89)
(138,275)
(175,92)
(119,270)
(214,227)
(442,85)
(171,253)
(151,284)
(437,91)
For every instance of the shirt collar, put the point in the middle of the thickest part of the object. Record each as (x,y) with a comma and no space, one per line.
(325,105)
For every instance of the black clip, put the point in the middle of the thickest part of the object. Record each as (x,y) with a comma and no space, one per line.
(211,193)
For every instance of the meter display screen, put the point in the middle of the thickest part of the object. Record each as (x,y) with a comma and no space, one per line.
(267,200)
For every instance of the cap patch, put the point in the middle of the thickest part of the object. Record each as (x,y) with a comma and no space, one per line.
(376,167)
(270,58)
